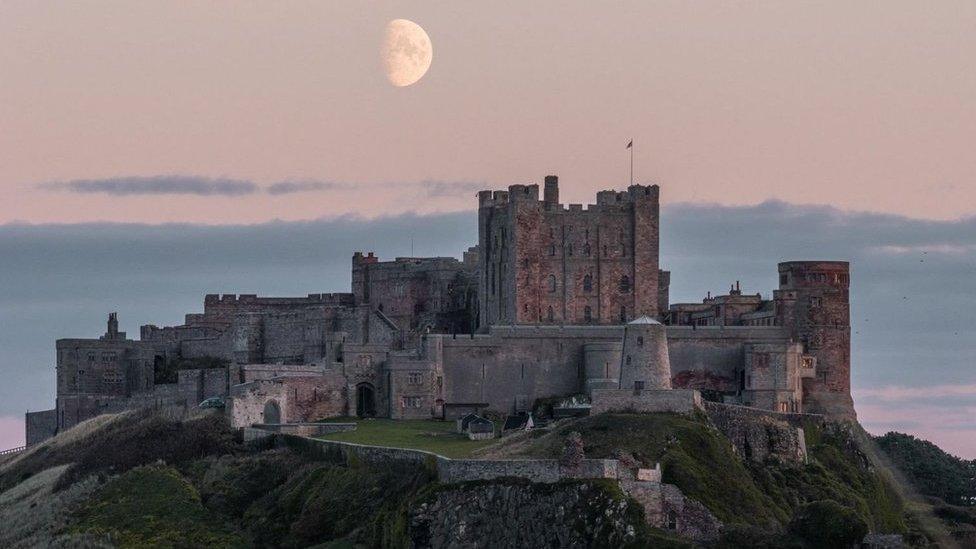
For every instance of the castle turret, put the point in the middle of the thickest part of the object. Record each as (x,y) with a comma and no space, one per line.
(644,362)
(813,303)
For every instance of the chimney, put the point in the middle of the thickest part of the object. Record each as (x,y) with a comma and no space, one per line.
(550,195)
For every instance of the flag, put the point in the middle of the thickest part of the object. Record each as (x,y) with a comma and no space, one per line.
(631,144)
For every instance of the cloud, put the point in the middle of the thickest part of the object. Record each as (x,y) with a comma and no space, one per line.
(291,187)
(155,185)
(451,189)
(913,313)
(895,393)
(184,185)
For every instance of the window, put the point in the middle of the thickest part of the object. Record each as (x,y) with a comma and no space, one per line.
(604,250)
(587,314)
(784,279)
(623,314)
(672,520)
(816,302)
(91,357)
(638,387)
(552,249)
(628,360)
(415,378)
(624,284)
(640,341)
(588,283)
(586,249)
(550,316)
(413,402)
(111,376)
(569,249)
(552,283)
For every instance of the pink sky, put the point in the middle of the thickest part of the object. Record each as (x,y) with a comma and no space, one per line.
(866,105)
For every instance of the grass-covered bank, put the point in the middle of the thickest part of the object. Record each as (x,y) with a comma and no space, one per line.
(439,437)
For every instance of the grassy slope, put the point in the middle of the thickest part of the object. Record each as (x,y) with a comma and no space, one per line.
(699,460)
(153,506)
(439,437)
(286,497)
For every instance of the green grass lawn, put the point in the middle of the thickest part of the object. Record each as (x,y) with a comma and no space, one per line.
(439,437)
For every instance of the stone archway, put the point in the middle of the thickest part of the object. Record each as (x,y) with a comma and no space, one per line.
(272,412)
(365,400)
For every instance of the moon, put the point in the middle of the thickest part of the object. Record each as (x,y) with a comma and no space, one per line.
(406,52)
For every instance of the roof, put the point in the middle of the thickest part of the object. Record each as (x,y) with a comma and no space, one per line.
(643,320)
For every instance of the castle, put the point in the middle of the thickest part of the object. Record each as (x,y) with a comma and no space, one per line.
(553,301)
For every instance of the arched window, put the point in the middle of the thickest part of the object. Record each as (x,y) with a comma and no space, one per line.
(587,314)
(588,283)
(624,284)
(552,283)
(623,314)
(549,315)
(552,249)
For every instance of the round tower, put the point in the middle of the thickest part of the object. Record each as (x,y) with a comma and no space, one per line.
(813,303)
(644,362)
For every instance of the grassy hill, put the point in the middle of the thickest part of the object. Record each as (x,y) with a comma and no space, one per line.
(139,479)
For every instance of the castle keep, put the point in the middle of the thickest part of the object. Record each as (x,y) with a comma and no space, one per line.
(554,301)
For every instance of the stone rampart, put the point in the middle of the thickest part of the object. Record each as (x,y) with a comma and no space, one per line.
(673,400)
(306,429)
(534,470)
(758,435)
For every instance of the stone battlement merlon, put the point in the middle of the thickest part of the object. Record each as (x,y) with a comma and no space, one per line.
(604,199)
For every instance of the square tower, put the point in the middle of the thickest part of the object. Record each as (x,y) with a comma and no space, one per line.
(545,263)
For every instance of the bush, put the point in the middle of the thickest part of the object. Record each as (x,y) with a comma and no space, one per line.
(828,524)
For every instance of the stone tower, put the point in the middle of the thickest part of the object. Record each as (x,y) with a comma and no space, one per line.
(542,262)
(644,363)
(813,302)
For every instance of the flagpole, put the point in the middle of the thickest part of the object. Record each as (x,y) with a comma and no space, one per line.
(631,161)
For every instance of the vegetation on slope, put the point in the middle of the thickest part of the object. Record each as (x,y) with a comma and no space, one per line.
(153,506)
(135,438)
(767,497)
(931,470)
(947,484)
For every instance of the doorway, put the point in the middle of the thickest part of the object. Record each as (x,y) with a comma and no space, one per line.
(365,400)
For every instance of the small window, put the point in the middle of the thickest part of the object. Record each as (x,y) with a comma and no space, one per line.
(640,341)
(628,360)
(588,283)
(623,314)
(586,250)
(816,302)
(415,378)
(413,402)
(587,314)
(552,283)
(550,316)
(624,284)
(552,249)
(784,279)
(569,249)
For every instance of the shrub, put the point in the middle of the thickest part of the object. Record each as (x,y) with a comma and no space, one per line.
(828,524)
